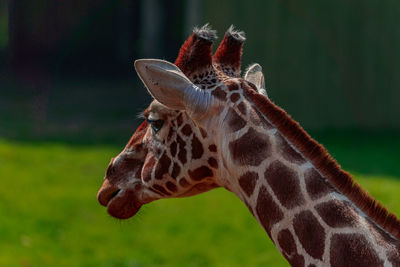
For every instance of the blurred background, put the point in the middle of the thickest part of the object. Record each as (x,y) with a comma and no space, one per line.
(69,98)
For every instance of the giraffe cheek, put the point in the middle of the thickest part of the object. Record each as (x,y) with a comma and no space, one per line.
(147,169)
(146,174)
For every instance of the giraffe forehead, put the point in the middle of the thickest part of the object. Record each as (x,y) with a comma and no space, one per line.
(158,110)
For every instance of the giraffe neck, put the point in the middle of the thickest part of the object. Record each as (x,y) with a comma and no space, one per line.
(309,220)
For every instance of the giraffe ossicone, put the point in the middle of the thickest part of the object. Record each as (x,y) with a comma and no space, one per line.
(208,127)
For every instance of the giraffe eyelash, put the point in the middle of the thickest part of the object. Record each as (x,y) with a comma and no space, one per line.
(141,115)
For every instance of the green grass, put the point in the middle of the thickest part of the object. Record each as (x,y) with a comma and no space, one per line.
(49,215)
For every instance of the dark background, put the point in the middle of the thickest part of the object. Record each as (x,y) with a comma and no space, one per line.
(66,67)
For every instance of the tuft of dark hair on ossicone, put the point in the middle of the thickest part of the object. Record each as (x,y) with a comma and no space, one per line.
(205,32)
(236,34)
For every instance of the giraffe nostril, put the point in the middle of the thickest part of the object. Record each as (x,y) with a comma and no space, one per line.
(106,195)
(114,194)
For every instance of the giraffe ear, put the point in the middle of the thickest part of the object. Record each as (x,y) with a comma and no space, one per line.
(254,75)
(168,85)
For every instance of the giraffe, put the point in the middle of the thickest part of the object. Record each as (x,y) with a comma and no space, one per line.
(208,127)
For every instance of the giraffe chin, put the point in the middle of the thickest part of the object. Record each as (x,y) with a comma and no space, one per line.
(123,206)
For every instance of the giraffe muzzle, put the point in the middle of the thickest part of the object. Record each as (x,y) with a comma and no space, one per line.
(120,203)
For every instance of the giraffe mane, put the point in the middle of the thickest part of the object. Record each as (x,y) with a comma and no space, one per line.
(324,163)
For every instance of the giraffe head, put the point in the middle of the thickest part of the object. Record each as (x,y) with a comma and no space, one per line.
(176,152)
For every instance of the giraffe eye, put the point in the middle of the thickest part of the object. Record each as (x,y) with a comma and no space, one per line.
(156,125)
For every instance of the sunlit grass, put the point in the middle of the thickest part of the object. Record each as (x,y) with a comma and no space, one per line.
(50,216)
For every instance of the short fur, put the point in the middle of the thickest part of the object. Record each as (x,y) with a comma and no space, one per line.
(325,164)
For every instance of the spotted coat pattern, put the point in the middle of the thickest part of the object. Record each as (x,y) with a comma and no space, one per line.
(303,213)
(310,221)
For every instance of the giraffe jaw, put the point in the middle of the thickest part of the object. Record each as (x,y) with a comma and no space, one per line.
(123,205)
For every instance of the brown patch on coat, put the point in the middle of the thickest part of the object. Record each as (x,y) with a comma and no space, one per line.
(235,97)
(212,148)
(354,247)
(200,173)
(182,150)
(162,166)
(197,148)
(186,130)
(297,260)
(287,150)
(213,162)
(171,186)
(288,246)
(234,121)
(316,185)
(267,210)
(219,93)
(287,243)
(232,86)
(173,149)
(179,120)
(250,149)
(325,164)
(337,213)
(175,170)
(248,181)
(242,108)
(310,233)
(285,184)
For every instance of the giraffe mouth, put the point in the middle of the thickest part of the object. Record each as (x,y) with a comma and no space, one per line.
(121,204)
